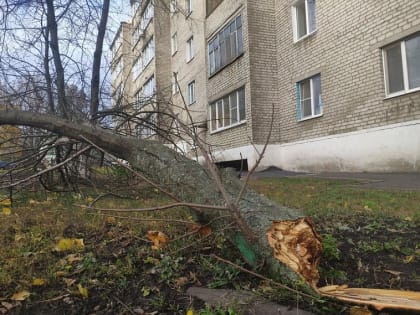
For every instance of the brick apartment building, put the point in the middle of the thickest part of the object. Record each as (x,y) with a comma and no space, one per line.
(337,81)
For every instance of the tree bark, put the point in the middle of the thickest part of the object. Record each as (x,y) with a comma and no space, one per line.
(184,178)
(97,57)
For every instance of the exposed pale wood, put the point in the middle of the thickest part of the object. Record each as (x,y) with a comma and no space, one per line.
(378,298)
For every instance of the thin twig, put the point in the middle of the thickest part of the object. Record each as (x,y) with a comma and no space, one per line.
(146,219)
(260,157)
(50,168)
(263,277)
(156,208)
(125,305)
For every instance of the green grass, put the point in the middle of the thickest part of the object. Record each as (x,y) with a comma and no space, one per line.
(322,197)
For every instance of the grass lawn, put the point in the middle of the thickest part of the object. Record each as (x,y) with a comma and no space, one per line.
(371,238)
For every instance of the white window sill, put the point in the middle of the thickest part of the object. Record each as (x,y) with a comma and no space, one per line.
(401,93)
(311,117)
(192,103)
(242,122)
(189,60)
(297,40)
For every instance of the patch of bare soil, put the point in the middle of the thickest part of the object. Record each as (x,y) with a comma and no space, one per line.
(372,253)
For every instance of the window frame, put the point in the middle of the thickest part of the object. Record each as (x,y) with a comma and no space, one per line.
(216,46)
(190,49)
(219,123)
(191,92)
(175,83)
(295,18)
(188,6)
(174,43)
(299,103)
(403,50)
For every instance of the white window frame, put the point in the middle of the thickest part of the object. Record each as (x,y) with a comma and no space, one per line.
(188,6)
(173,6)
(219,105)
(406,88)
(313,115)
(218,50)
(190,49)
(175,83)
(174,43)
(295,23)
(191,92)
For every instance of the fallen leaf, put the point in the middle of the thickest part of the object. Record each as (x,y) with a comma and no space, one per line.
(358,310)
(68,244)
(69,282)
(408,259)
(6,202)
(19,237)
(38,282)
(202,230)
(73,258)
(7,211)
(6,305)
(83,291)
(180,282)
(60,273)
(20,296)
(159,239)
(111,220)
(190,312)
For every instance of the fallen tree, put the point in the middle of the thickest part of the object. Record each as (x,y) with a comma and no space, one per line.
(259,226)
(185,180)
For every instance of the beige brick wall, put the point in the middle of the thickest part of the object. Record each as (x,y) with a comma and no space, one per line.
(231,77)
(186,26)
(346,51)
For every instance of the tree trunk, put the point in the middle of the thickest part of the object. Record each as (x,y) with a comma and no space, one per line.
(187,180)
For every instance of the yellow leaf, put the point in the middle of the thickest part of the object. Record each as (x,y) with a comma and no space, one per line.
(408,259)
(69,282)
(190,312)
(83,291)
(73,258)
(38,282)
(358,310)
(89,199)
(7,211)
(69,244)
(60,274)
(111,220)
(159,239)
(20,296)
(5,202)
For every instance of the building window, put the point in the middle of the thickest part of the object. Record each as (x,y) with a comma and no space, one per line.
(191,92)
(138,32)
(134,7)
(304,18)
(117,69)
(173,6)
(146,56)
(190,48)
(402,66)
(188,6)
(147,16)
(309,98)
(174,43)
(175,83)
(149,87)
(228,111)
(226,45)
